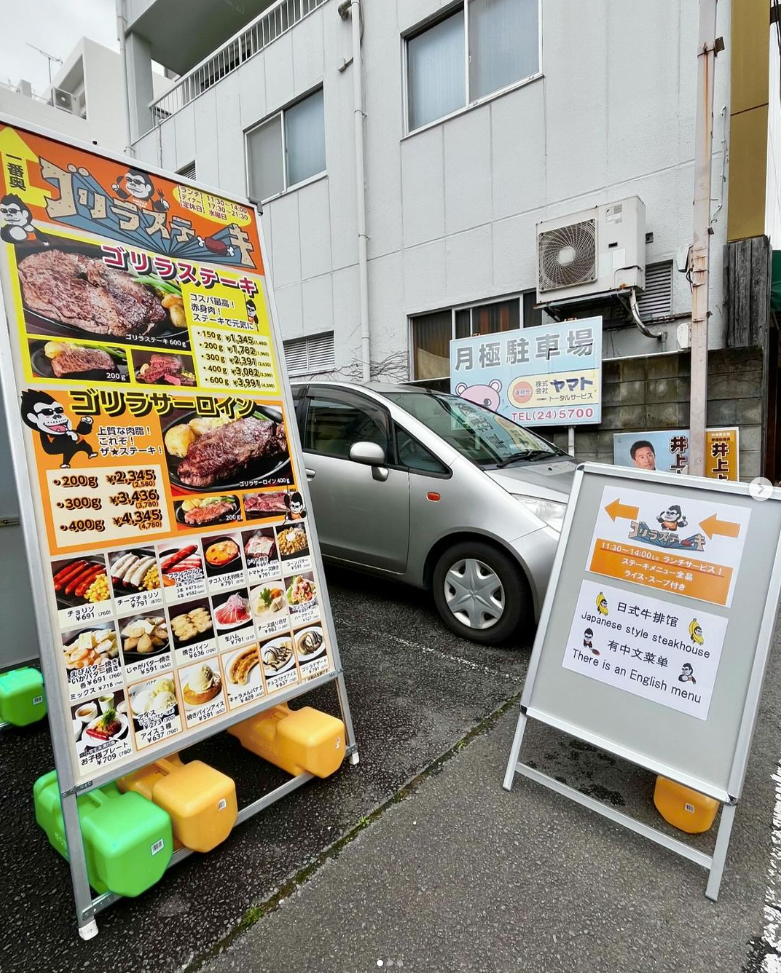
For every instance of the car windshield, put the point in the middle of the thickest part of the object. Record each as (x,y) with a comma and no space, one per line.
(484,437)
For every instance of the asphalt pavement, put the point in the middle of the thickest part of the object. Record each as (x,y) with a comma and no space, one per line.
(416,859)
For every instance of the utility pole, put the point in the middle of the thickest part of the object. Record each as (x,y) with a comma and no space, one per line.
(707,46)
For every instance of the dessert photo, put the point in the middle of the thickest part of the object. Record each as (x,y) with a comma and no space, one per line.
(243,667)
(277,655)
(310,644)
(202,691)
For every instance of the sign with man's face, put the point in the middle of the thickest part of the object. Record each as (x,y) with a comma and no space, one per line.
(667,450)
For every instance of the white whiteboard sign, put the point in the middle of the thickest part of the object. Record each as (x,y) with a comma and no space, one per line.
(675,583)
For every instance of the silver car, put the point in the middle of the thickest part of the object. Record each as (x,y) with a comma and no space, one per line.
(437,492)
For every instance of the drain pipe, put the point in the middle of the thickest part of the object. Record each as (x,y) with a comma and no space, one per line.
(635,312)
(353,9)
(121,31)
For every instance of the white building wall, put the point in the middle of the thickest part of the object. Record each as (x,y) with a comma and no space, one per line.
(452,209)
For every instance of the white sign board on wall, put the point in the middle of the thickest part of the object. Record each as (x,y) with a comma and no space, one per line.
(543,376)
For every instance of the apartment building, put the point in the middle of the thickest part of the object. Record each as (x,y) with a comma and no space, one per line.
(481,118)
(86,99)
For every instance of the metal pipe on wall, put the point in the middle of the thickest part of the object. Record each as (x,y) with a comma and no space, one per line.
(356,15)
(700,252)
(121,31)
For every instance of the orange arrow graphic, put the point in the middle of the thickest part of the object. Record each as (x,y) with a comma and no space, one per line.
(712,525)
(618,509)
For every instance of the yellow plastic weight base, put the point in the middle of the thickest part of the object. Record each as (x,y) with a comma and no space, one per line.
(298,741)
(200,800)
(684,808)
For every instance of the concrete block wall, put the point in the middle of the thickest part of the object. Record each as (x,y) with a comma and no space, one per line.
(651,393)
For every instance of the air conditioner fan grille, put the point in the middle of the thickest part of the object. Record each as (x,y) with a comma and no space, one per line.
(567,256)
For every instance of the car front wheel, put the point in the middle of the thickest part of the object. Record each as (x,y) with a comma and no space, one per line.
(479,592)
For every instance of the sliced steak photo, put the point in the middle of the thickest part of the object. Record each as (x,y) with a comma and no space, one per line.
(208,513)
(82,292)
(73,360)
(265,503)
(225,452)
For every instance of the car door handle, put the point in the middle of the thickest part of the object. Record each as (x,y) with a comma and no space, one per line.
(310,474)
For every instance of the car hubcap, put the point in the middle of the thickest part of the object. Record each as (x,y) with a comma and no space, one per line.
(474,593)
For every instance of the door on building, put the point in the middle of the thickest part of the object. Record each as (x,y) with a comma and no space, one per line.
(359,518)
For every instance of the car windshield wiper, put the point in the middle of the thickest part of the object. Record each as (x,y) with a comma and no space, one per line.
(540,454)
(526,457)
(517,458)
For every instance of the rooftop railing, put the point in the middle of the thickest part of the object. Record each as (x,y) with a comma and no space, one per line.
(250,40)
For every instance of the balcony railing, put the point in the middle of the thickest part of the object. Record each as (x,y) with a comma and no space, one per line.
(251,40)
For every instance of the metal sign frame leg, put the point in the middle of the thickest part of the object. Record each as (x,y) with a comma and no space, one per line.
(714,864)
(515,752)
(351,746)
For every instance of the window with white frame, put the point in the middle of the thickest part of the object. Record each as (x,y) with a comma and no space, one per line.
(480,48)
(286,149)
(312,355)
(432,333)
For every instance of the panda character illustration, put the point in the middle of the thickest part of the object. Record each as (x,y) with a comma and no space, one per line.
(672,518)
(136,187)
(18,226)
(58,437)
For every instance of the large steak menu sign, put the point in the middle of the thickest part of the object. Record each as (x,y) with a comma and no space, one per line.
(181,586)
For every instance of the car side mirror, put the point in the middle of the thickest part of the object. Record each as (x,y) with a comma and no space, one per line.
(370,454)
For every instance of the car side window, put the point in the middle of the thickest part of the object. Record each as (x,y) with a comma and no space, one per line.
(334,425)
(417,458)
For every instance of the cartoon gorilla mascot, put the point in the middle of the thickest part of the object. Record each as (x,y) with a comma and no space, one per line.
(18,224)
(58,438)
(137,187)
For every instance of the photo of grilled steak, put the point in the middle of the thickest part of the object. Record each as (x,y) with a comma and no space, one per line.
(209,513)
(267,504)
(73,360)
(160,365)
(259,546)
(165,368)
(225,452)
(82,292)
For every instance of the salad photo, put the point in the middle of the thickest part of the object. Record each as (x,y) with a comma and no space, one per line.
(301,592)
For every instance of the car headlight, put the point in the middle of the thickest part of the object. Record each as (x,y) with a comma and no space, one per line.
(550,512)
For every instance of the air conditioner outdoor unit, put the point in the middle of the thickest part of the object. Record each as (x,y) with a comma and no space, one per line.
(593,252)
(65,100)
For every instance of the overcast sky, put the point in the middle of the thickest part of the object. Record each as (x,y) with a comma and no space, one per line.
(55,26)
